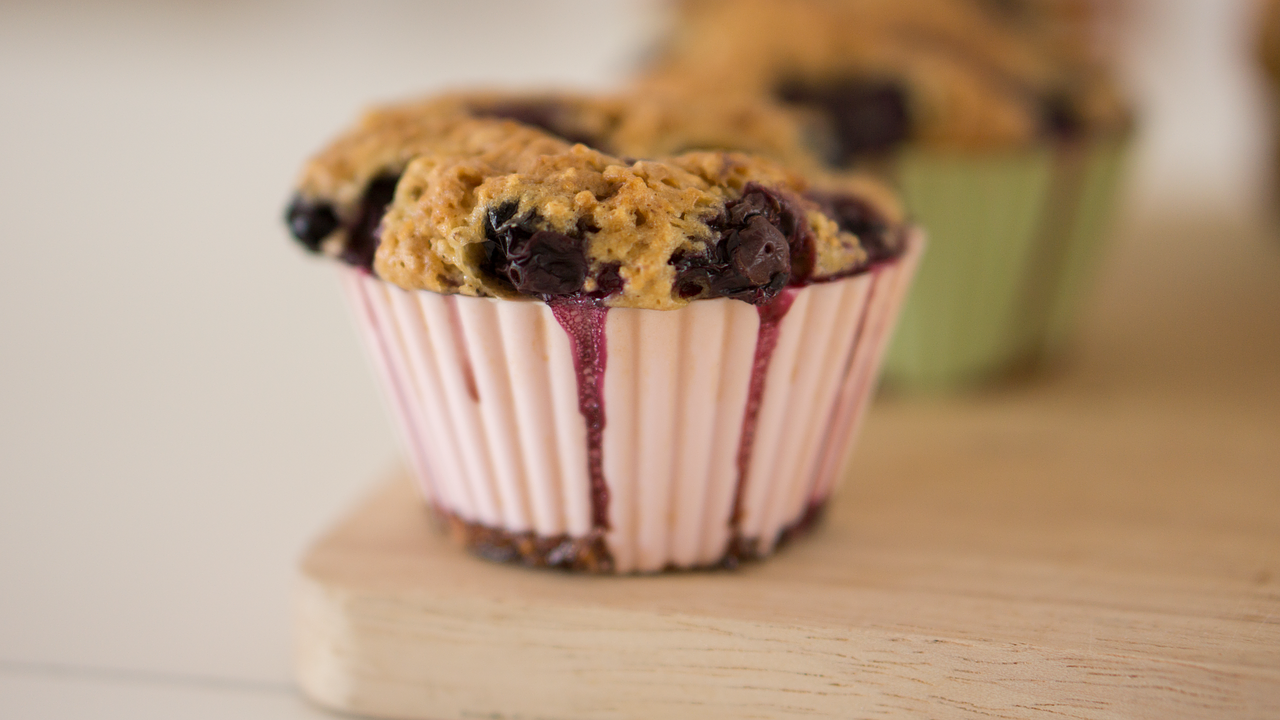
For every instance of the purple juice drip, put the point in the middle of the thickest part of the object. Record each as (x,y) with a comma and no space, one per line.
(771,315)
(584,320)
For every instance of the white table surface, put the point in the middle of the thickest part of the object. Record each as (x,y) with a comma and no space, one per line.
(182,403)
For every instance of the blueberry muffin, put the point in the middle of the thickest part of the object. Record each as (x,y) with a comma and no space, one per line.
(1003,131)
(600,356)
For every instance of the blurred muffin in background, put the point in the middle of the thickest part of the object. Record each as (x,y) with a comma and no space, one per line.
(998,120)
(1269,55)
(1090,30)
(1269,38)
(883,73)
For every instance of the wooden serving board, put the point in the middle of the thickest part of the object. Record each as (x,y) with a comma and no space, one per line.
(1101,544)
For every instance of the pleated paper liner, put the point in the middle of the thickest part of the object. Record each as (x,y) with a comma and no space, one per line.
(1097,200)
(1013,240)
(630,440)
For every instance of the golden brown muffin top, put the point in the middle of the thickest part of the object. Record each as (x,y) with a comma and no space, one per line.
(944,73)
(555,195)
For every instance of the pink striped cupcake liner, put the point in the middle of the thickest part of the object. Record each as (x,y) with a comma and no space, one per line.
(622,440)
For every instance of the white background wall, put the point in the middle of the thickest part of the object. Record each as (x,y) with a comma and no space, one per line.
(1205,136)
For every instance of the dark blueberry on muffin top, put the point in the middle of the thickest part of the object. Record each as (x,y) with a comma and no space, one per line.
(311,221)
(750,257)
(534,261)
(364,235)
(854,215)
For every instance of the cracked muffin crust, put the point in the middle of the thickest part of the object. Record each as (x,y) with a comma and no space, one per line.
(972,74)
(549,196)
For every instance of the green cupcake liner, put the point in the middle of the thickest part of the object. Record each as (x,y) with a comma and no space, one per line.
(1098,192)
(1012,239)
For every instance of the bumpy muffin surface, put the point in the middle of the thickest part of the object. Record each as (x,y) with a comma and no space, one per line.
(880,73)
(551,196)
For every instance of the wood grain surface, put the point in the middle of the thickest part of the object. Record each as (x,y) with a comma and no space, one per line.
(1101,542)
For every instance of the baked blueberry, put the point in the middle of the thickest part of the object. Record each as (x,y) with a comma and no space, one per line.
(867,116)
(532,260)
(749,258)
(311,221)
(854,215)
(363,237)
(1060,118)
(608,280)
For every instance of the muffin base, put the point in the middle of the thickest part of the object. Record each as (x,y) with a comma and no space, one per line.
(564,552)
(591,553)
